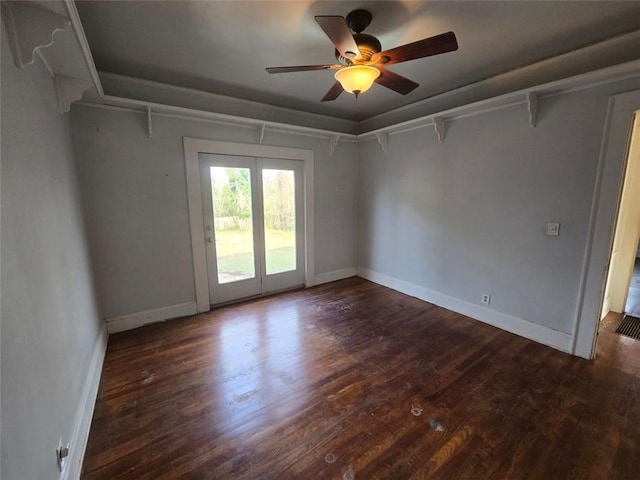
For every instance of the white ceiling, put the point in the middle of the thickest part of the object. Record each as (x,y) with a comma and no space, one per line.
(223,47)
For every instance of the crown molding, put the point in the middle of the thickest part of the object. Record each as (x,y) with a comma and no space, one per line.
(151,109)
(570,65)
(336,130)
(123,86)
(83,44)
(528,97)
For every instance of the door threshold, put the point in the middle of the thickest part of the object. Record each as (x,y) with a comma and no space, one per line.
(256,297)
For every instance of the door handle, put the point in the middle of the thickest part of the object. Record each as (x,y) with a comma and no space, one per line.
(209,239)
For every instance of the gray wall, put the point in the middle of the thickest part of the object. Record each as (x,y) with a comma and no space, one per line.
(467,217)
(50,323)
(135,193)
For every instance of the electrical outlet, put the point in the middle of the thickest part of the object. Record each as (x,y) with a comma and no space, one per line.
(486,298)
(62,455)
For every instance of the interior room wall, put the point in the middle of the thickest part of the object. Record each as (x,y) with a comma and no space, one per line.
(52,335)
(458,219)
(135,193)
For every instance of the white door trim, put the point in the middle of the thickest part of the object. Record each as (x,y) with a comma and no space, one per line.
(604,208)
(192,148)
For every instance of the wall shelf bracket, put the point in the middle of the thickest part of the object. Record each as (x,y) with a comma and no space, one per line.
(333,143)
(149,123)
(383,140)
(261,128)
(532,107)
(69,90)
(30,27)
(438,124)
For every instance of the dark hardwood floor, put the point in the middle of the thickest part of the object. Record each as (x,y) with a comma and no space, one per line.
(321,384)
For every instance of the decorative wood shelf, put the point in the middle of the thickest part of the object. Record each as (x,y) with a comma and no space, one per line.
(29,28)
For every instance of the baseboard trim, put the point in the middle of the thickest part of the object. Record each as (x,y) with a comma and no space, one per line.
(130,321)
(538,333)
(335,275)
(82,423)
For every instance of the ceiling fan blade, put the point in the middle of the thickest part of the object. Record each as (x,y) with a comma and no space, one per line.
(395,82)
(299,68)
(338,32)
(333,93)
(426,47)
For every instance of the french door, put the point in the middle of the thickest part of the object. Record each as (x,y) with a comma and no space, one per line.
(253,225)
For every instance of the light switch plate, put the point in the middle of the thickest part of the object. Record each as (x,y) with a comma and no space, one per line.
(553,229)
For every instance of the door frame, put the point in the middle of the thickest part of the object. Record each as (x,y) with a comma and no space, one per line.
(192,148)
(605,204)
(623,256)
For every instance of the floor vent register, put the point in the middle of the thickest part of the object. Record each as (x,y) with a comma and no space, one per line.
(630,327)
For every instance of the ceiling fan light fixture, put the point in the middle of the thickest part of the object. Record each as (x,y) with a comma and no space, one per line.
(357,78)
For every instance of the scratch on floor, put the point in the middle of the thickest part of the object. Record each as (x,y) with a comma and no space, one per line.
(148,377)
(330,458)
(347,473)
(243,397)
(416,411)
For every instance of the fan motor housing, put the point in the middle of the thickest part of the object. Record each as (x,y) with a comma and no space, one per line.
(368,46)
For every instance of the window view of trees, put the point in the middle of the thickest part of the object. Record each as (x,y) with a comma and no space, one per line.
(278,192)
(233,221)
(279,200)
(232,198)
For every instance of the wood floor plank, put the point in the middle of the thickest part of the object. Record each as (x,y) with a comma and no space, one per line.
(321,383)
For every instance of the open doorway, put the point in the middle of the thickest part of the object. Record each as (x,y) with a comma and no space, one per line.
(632,305)
(622,291)
(612,165)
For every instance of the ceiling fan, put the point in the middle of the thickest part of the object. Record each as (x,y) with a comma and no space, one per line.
(361,60)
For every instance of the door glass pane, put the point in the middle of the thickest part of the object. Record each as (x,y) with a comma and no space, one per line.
(233,223)
(278,189)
